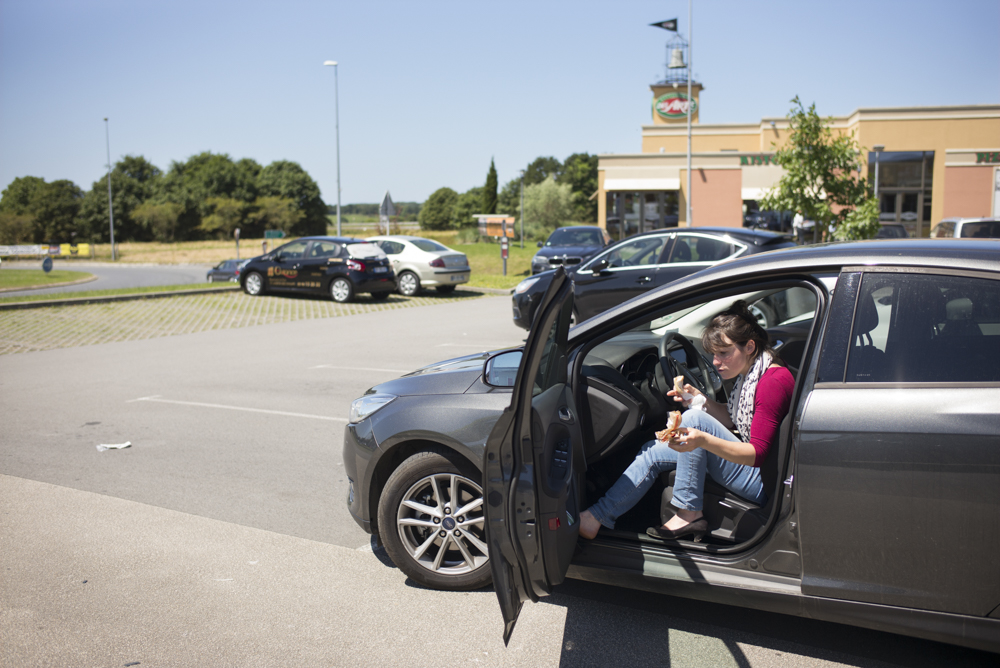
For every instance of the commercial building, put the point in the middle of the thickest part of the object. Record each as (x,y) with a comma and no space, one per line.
(934,163)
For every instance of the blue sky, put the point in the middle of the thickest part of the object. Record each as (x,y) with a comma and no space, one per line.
(430,91)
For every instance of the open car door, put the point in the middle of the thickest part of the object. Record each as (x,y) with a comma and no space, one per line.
(534,465)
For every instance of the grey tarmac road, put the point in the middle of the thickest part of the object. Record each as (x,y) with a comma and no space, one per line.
(112,276)
(220,537)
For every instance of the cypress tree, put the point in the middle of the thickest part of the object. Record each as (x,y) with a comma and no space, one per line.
(490,191)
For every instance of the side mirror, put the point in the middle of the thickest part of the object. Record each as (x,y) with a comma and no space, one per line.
(276,257)
(501,369)
(540,244)
(600,266)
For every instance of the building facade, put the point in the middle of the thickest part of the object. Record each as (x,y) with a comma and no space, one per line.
(933,163)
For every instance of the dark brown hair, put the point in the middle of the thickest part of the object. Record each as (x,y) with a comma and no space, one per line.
(739,325)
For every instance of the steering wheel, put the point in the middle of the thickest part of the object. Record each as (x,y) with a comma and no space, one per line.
(672,367)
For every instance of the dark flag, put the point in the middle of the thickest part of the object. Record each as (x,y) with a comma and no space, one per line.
(670,24)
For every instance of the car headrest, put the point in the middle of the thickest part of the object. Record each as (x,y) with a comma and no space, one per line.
(681,251)
(867,318)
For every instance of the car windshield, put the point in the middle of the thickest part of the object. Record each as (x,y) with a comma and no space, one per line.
(428,245)
(569,237)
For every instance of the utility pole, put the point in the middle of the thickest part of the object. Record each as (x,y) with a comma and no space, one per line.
(522,208)
(111,213)
(690,39)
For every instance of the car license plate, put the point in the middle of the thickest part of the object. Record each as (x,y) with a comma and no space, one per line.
(457,277)
(380,270)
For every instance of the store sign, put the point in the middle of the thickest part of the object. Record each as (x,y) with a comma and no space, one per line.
(674,105)
(988,158)
(750,160)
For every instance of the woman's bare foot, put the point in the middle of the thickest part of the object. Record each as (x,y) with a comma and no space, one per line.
(589,525)
(682,519)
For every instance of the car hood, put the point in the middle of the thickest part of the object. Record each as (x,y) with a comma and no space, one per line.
(452,376)
(570,251)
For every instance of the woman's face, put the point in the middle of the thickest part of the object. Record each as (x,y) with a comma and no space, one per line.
(732,359)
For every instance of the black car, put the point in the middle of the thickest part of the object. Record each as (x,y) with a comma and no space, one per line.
(883,490)
(568,246)
(643,262)
(338,266)
(227,270)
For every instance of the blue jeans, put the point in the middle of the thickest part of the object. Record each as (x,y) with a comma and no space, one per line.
(689,485)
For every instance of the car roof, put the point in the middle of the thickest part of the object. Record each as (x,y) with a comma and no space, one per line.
(969,220)
(971,254)
(746,235)
(402,237)
(339,240)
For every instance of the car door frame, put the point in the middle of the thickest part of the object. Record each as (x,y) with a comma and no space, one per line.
(625,276)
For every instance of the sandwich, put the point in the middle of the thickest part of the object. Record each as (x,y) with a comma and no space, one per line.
(679,385)
(673,422)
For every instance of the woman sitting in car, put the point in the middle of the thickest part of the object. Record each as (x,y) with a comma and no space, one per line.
(705,443)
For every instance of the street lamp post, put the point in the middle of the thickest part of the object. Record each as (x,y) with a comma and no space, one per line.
(878,148)
(336,111)
(111,212)
(690,39)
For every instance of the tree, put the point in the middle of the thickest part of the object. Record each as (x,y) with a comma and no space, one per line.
(287,180)
(15,228)
(541,169)
(437,210)
(20,195)
(226,215)
(509,199)
(133,181)
(466,206)
(274,213)
(48,209)
(547,205)
(159,219)
(822,178)
(580,172)
(490,191)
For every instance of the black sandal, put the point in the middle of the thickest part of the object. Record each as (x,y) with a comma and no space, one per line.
(698,529)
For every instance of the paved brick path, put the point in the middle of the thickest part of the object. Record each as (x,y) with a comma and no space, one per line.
(46,328)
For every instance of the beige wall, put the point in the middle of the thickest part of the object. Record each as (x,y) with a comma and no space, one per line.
(716,197)
(968,191)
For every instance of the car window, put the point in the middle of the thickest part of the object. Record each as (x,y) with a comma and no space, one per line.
(943,230)
(569,237)
(426,245)
(696,248)
(637,252)
(390,247)
(322,249)
(293,251)
(925,328)
(365,250)
(984,230)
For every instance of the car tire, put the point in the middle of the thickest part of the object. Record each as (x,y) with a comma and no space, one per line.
(341,290)
(409,284)
(764,314)
(412,537)
(380,296)
(253,285)
(445,289)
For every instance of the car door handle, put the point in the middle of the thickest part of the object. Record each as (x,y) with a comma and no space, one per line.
(565,415)
(643,279)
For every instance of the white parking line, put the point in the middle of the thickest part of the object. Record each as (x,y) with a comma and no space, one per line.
(156,398)
(359,368)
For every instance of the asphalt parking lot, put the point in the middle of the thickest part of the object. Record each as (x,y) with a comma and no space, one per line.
(220,536)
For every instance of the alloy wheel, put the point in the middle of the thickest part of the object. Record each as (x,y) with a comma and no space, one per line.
(254,284)
(441,524)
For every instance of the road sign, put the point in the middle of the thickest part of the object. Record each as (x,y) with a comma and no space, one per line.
(386,210)
(274,234)
(47,265)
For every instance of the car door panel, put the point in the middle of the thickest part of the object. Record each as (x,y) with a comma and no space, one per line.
(534,465)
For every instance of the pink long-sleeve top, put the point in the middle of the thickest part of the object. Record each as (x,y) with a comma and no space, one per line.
(770,406)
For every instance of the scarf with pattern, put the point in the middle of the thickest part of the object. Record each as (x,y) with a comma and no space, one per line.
(741,401)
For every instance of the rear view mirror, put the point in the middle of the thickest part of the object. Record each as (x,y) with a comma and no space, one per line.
(501,370)
(540,244)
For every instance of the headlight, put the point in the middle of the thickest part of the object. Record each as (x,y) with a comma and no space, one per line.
(524,285)
(538,259)
(368,404)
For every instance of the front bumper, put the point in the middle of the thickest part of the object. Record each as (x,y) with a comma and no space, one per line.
(359,447)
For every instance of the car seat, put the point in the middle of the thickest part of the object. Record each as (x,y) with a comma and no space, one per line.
(708,250)
(866,363)
(681,252)
(731,518)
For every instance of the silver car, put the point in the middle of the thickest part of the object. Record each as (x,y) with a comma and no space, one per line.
(423,263)
(967,228)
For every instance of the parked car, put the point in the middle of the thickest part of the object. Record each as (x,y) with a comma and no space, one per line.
(338,266)
(892,231)
(569,246)
(227,270)
(423,263)
(642,262)
(884,487)
(963,228)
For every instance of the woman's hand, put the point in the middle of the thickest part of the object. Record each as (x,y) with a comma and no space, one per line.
(689,390)
(687,439)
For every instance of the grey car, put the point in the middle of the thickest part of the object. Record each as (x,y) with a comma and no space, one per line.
(884,490)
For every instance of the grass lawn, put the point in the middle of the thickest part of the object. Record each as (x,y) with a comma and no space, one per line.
(32,278)
(111,293)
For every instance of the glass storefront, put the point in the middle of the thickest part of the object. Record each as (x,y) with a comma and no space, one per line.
(630,213)
(905,182)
